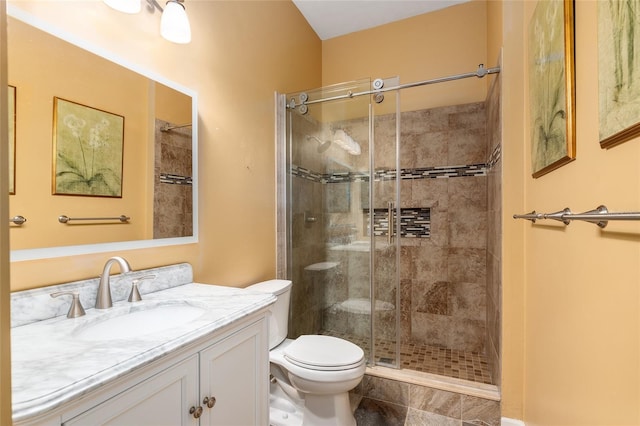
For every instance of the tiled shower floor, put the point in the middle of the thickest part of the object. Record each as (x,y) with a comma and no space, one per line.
(471,366)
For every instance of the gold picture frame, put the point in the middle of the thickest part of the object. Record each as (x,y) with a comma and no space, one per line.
(88,150)
(552,86)
(12,96)
(618,71)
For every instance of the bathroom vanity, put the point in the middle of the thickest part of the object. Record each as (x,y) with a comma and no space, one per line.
(187,354)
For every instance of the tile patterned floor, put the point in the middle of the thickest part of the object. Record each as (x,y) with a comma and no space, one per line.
(471,366)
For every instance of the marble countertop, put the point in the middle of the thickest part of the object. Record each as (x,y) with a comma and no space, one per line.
(52,363)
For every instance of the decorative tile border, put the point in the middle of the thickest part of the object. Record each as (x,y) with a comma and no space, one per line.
(382,175)
(414,222)
(444,172)
(175,179)
(495,157)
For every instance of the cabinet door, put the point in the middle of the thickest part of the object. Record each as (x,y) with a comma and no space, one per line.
(160,400)
(235,371)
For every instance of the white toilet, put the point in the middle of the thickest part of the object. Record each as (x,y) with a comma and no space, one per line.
(312,374)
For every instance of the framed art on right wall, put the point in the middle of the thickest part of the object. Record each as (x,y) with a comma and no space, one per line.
(618,71)
(551,86)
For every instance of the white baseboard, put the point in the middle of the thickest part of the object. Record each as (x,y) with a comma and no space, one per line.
(511,422)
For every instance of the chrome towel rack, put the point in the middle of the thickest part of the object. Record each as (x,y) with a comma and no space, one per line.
(18,220)
(599,216)
(67,219)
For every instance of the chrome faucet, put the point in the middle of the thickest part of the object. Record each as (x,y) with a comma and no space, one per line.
(103,299)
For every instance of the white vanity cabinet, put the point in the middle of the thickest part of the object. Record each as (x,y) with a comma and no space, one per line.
(159,400)
(217,381)
(234,377)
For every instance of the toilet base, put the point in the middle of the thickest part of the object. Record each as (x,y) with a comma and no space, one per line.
(328,410)
(283,413)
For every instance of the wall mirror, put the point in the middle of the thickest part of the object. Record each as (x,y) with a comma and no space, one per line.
(96,138)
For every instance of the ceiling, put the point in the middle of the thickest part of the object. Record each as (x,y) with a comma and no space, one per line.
(333,18)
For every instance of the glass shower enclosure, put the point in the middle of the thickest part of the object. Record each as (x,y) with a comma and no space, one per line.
(338,219)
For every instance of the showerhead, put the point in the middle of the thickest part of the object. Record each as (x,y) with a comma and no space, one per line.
(322,145)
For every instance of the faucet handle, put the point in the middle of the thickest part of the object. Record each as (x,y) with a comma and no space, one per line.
(134,296)
(76,309)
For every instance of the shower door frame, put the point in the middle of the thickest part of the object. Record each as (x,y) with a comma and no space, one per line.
(393,233)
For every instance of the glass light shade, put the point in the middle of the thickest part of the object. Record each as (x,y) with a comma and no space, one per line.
(126,6)
(174,24)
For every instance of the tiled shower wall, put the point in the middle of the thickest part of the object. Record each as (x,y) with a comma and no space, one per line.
(494,228)
(172,198)
(443,278)
(449,281)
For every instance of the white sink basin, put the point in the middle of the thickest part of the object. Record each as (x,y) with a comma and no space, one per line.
(140,323)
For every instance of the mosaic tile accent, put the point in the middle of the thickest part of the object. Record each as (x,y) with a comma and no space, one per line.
(307,174)
(444,172)
(495,156)
(384,175)
(414,222)
(175,179)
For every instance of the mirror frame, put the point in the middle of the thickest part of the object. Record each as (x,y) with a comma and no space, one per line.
(73,250)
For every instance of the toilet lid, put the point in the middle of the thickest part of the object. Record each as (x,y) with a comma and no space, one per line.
(324,353)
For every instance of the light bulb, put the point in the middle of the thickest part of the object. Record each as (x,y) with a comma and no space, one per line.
(126,6)
(174,24)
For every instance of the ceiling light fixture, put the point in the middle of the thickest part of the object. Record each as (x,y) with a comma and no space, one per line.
(174,23)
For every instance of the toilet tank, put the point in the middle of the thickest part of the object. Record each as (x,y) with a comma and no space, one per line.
(279,318)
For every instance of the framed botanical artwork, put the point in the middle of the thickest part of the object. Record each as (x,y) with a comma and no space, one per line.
(551,86)
(87,147)
(11,95)
(618,71)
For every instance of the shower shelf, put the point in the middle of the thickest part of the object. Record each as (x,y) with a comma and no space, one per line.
(363,306)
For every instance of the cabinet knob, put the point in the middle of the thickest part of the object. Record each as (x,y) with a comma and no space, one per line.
(209,401)
(196,411)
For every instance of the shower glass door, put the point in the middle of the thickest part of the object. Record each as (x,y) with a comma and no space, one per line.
(339,256)
(387,221)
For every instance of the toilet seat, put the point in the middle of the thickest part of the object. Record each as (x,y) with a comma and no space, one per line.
(324,353)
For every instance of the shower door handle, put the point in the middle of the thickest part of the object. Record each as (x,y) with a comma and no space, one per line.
(391,222)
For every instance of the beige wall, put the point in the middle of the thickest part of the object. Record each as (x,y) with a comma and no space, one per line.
(5,337)
(86,79)
(438,44)
(172,106)
(578,285)
(514,175)
(238,57)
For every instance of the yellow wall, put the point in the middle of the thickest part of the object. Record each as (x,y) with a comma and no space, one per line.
(514,173)
(89,80)
(240,54)
(438,44)
(172,106)
(5,337)
(578,285)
